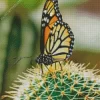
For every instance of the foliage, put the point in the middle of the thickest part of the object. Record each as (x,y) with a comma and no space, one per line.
(27,4)
(72,3)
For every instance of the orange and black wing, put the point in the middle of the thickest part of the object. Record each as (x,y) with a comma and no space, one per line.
(60,42)
(50,15)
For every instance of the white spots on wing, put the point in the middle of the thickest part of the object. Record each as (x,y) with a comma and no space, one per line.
(43,24)
(58,21)
(55,7)
(55,23)
(72,36)
(72,41)
(56,10)
(68,26)
(68,56)
(51,32)
(70,31)
(70,53)
(45,19)
(65,25)
(70,49)
(71,45)
(57,14)
(59,18)
(45,11)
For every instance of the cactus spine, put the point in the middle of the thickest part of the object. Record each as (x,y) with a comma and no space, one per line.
(74,82)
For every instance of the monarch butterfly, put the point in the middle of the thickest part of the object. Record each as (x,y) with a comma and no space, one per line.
(57,39)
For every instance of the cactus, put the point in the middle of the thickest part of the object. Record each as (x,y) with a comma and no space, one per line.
(73,82)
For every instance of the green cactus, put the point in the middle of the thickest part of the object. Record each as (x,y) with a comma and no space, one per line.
(73,82)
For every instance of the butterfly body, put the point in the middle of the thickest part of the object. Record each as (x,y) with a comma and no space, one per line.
(44,59)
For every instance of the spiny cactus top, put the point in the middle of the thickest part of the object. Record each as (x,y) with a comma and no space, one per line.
(74,82)
(57,39)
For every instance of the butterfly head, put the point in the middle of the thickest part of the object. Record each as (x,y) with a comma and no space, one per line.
(44,59)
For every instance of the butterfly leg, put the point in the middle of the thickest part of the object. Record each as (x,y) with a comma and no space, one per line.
(41,68)
(55,66)
(47,68)
(19,59)
(60,66)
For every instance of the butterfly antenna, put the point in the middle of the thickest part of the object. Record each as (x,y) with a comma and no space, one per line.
(20,59)
(42,69)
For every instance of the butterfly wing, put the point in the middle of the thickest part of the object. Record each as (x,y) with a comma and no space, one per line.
(60,42)
(50,15)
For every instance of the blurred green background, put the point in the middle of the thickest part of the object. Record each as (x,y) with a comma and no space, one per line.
(20,22)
